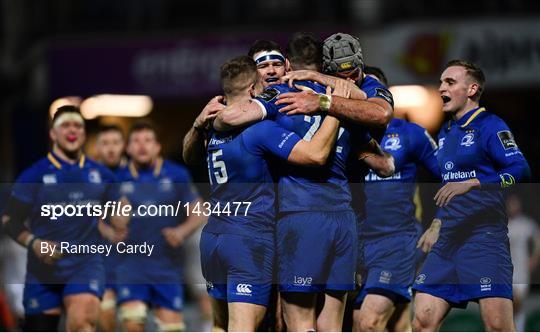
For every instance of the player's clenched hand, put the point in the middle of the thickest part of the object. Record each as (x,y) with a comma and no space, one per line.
(299,76)
(209,112)
(450,190)
(430,236)
(174,236)
(46,251)
(305,102)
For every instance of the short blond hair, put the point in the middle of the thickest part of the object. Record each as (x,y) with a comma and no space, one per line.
(238,74)
(473,71)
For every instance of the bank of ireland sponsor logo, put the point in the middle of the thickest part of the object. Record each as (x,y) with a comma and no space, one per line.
(124,292)
(485,284)
(385,277)
(243,289)
(94,285)
(177,303)
(220,141)
(284,139)
(459,175)
(449,165)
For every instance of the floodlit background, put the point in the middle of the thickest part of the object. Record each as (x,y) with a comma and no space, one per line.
(124,59)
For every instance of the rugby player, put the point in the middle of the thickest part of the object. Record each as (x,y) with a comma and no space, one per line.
(110,147)
(342,58)
(154,280)
(237,250)
(388,233)
(314,204)
(54,282)
(110,152)
(271,64)
(470,261)
(193,144)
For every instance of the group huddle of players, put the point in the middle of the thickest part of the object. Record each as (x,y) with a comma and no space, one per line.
(290,134)
(304,121)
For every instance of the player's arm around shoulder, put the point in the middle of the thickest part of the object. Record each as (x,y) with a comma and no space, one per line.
(193,144)
(324,79)
(316,151)
(376,111)
(239,114)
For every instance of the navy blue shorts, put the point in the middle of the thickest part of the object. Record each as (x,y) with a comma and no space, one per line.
(468,271)
(88,277)
(317,251)
(170,296)
(237,268)
(389,268)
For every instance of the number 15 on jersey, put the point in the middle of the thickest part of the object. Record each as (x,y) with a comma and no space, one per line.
(216,168)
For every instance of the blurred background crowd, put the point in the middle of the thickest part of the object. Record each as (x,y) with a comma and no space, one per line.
(121,60)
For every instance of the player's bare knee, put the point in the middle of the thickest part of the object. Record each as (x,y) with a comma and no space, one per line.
(496,323)
(372,321)
(424,320)
(245,317)
(82,313)
(81,324)
(417,325)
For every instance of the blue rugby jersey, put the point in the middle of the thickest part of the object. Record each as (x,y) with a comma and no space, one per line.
(239,171)
(165,183)
(53,181)
(389,204)
(479,145)
(316,189)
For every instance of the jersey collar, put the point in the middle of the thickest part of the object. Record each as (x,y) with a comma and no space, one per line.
(157,168)
(58,162)
(467,117)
